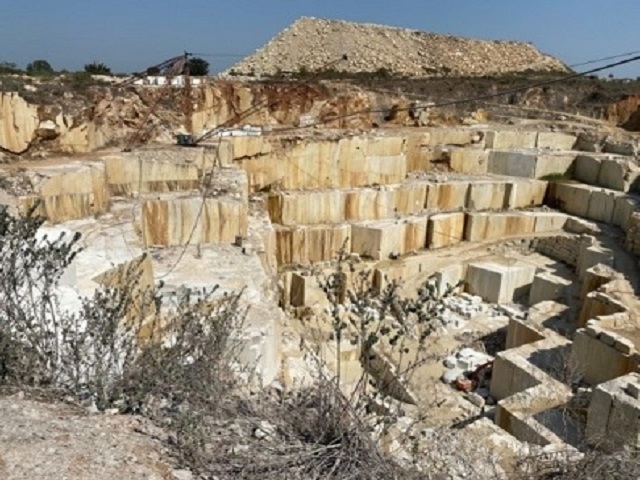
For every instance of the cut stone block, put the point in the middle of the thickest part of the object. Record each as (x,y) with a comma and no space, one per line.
(589,142)
(618,174)
(556,140)
(510,139)
(482,226)
(592,256)
(305,245)
(524,193)
(547,286)
(624,207)
(602,204)
(378,240)
(449,277)
(68,192)
(620,147)
(295,208)
(515,164)
(445,229)
(530,165)
(447,196)
(587,168)
(305,291)
(572,198)
(178,221)
(131,175)
(555,163)
(499,280)
(486,195)
(448,136)
(469,160)
(613,418)
(549,221)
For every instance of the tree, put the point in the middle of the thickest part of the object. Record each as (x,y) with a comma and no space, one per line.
(9,67)
(39,67)
(198,67)
(96,68)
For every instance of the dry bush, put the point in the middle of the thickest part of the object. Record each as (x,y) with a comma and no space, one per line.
(176,362)
(124,347)
(31,324)
(309,434)
(593,464)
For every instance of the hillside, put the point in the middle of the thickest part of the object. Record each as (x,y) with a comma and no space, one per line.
(311,43)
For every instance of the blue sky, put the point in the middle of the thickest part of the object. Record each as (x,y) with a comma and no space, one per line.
(130,35)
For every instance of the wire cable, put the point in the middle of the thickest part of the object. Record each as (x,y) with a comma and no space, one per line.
(450,103)
(611,57)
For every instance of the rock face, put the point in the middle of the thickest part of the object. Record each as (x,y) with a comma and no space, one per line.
(626,113)
(18,122)
(111,117)
(311,43)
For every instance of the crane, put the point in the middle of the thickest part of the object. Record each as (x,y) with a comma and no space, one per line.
(179,65)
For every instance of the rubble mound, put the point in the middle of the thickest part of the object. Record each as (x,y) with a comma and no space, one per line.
(310,43)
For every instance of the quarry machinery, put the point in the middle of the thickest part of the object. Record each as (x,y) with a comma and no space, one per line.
(189,140)
(169,70)
(178,68)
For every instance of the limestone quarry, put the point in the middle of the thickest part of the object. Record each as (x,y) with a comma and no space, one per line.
(532,223)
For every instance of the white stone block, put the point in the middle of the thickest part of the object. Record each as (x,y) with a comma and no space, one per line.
(512,163)
(524,193)
(591,256)
(556,140)
(445,229)
(601,205)
(499,280)
(618,174)
(587,168)
(547,286)
(449,277)
(486,195)
(530,164)
(549,221)
(510,139)
(469,160)
(624,207)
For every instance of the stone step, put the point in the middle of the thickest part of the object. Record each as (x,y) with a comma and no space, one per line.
(175,221)
(411,197)
(384,239)
(614,172)
(532,163)
(66,192)
(595,203)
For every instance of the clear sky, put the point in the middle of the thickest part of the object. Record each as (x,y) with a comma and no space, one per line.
(130,35)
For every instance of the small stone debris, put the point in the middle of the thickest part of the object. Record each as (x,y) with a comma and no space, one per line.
(264,430)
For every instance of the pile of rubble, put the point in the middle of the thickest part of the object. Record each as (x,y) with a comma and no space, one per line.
(309,44)
(459,309)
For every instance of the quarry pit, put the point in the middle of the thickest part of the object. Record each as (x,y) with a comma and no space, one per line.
(534,229)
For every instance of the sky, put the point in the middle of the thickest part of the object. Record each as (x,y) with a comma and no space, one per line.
(131,35)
